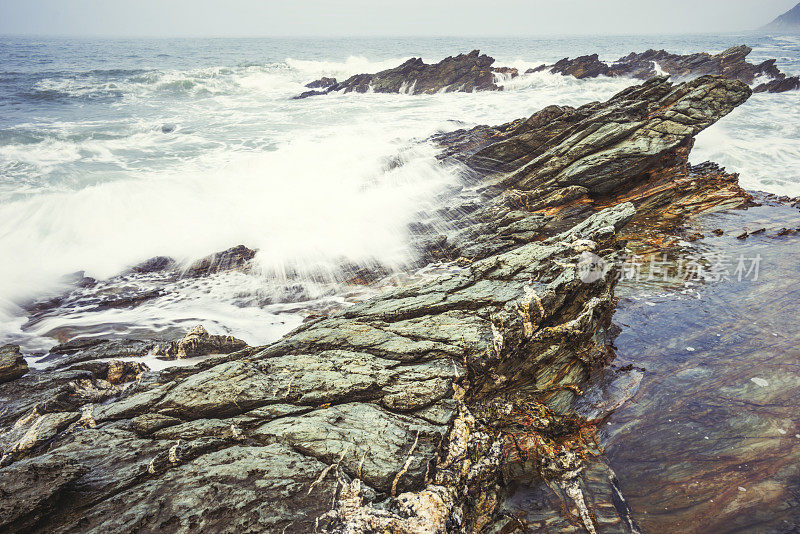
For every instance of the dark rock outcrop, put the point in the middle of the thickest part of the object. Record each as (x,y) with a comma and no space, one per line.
(779,85)
(233,259)
(412,411)
(581,67)
(322,83)
(12,364)
(464,73)
(731,63)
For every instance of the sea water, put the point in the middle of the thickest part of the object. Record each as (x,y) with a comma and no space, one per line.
(116,151)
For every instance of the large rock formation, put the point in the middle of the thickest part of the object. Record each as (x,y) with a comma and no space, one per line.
(409,412)
(788,22)
(731,63)
(464,73)
(542,174)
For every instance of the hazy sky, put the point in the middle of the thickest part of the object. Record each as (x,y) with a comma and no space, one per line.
(375,17)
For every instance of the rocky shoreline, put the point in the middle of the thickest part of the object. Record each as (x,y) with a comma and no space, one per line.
(472,72)
(464,73)
(731,63)
(413,411)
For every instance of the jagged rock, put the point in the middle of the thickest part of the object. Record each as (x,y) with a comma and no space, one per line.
(322,83)
(154,265)
(779,86)
(543,174)
(411,411)
(581,67)
(12,364)
(382,386)
(464,73)
(198,342)
(731,63)
(233,259)
(511,72)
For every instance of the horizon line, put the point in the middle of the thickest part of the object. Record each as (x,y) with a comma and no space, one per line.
(376,36)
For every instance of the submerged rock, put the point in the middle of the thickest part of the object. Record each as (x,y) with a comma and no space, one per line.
(141,285)
(463,73)
(91,349)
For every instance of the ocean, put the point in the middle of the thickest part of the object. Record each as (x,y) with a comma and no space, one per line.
(116,151)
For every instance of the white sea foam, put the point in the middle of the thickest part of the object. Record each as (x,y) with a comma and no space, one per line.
(760,140)
(342,69)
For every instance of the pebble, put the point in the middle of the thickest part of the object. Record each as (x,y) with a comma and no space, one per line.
(759,382)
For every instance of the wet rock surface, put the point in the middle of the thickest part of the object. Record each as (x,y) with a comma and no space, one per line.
(416,410)
(465,73)
(198,342)
(12,364)
(779,86)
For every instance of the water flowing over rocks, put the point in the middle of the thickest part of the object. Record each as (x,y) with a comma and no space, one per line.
(139,285)
(412,411)
(464,73)
(731,63)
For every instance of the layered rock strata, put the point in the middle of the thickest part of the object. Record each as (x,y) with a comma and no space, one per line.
(415,410)
(537,176)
